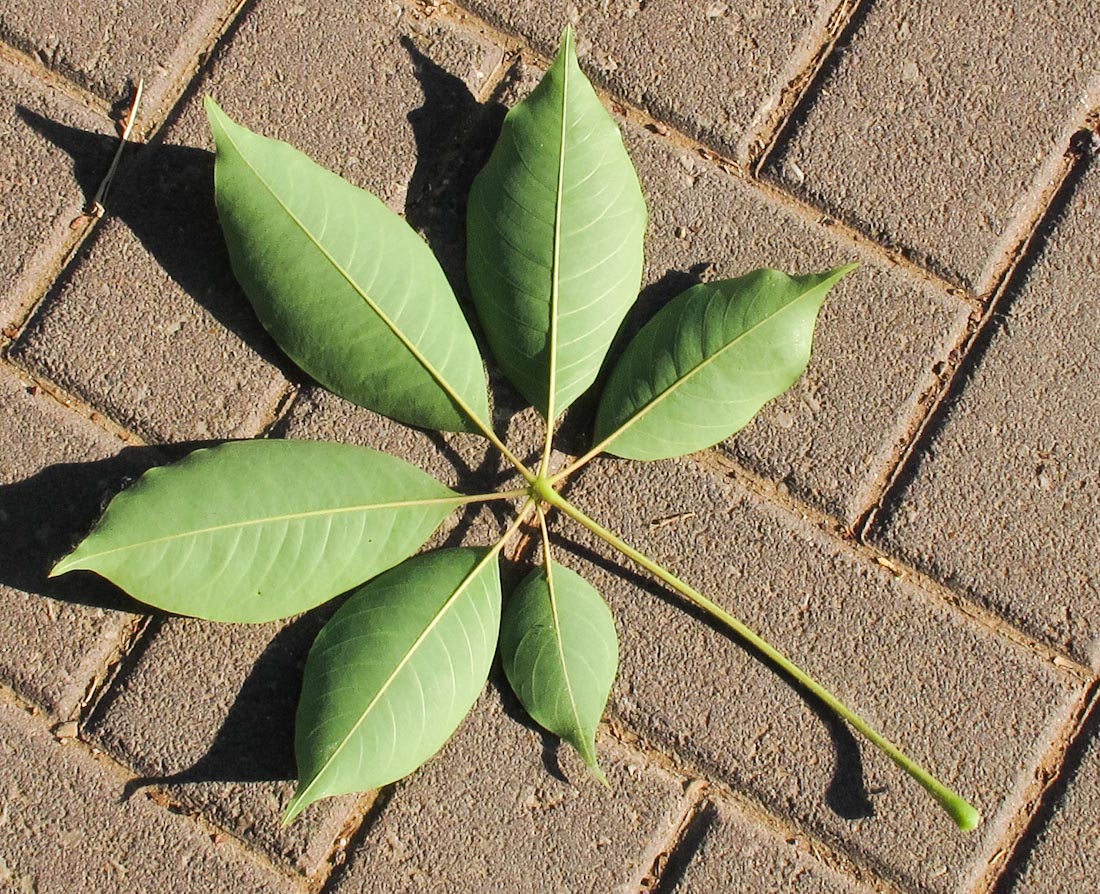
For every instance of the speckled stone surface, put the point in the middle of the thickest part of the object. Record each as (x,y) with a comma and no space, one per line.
(906,662)
(1031,402)
(56,636)
(733,854)
(232,759)
(46,187)
(102,46)
(668,57)
(1066,850)
(935,119)
(566,832)
(65,828)
(159,270)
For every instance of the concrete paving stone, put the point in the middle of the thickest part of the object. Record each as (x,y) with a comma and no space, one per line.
(1066,854)
(56,470)
(205,712)
(705,68)
(156,283)
(488,814)
(878,339)
(936,119)
(103,45)
(738,856)
(65,829)
(973,708)
(1003,504)
(40,198)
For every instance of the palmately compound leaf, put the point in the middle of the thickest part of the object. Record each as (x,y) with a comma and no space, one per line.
(708,361)
(391,676)
(561,654)
(251,531)
(346,287)
(554,238)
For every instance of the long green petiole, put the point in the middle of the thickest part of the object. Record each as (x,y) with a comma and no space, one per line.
(961,811)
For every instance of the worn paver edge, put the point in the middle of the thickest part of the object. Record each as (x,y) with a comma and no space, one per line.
(772,193)
(934,592)
(1019,251)
(1047,778)
(1069,165)
(801,72)
(152,116)
(1054,787)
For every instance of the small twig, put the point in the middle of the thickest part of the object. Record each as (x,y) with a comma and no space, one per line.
(96,208)
(670,520)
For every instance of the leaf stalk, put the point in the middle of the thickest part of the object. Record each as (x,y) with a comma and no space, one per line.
(966,817)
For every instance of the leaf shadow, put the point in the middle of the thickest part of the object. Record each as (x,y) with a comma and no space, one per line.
(448,158)
(550,745)
(164,194)
(847,795)
(253,742)
(454,133)
(44,515)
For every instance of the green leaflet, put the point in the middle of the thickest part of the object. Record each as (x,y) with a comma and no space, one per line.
(391,676)
(344,285)
(561,654)
(554,238)
(708,361)
(258,530)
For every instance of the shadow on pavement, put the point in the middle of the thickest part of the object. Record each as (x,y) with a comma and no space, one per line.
(44,516)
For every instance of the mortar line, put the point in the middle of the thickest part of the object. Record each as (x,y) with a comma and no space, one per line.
(1040,798)
(27,63)
(962,360)
(660,852)
(35,288)
(74,404)
(278,413)
(805,68)
(1033,207)
(123,774)
(671,761)
(105,667)
(934,592)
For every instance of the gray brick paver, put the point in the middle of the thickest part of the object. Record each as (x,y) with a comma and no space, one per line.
(55,471)
(1065,855)
(44,184)
(926,150)
(103,45)
(1003,501)
(736,855)
(667,57)
(156,281)
(879,336)
(206,712)
(937,118)
(486,815)
(65,830)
